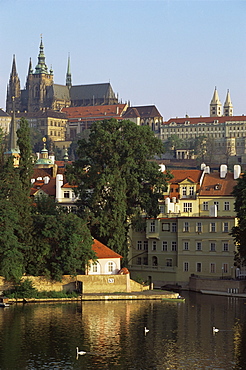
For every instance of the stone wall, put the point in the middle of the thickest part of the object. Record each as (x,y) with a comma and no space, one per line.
(84,283)
(221,285)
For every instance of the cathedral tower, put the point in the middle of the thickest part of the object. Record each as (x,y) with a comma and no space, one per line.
(13,90)
(228,107)
(38,83)
(215,105)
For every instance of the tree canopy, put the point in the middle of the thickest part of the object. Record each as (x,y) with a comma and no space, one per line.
(117,178)
(239,231)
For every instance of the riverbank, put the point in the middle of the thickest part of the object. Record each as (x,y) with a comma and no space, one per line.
(145,295)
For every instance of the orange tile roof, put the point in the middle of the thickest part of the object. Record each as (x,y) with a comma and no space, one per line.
(94,112)
(214,185)
(102,251)
(181,175)
(196,120)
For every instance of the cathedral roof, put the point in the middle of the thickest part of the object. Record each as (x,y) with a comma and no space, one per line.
(96,91)
(58,91)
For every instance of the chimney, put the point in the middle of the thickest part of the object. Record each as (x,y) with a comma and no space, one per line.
(223,171)
(237,171)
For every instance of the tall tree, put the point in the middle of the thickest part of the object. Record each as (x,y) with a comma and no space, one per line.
(117,178)
(62,241)
(239,231)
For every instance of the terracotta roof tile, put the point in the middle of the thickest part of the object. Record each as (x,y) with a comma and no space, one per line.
(213,185)
(102,251)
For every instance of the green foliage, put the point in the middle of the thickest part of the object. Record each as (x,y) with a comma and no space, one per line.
(239,231)
(117,178)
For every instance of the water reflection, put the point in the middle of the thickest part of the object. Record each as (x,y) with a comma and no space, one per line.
(45,336)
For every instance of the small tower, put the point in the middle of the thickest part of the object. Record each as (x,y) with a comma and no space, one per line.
(68,75)
(228,107)
(13,149)
(13,89)
(215,105)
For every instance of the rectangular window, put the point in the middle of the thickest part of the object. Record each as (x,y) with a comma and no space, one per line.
(145,245)
(225,247)
(217,205)
(184,190)
(212,268)
(225,227)
(174,227)
(139,261)
(205,206)
(169,262)
(186,266)
(162,209)
(165,227)
(191,190)
(66,194)
(198,267)
(145,260)
(186,246)
(152,226)
(174,246)
(212,246)
(227,206)
(187,207)
(212,227)
(186,227)
(164,246)
(139,245)
(154,245)
(198,246)
(225,268)
(198,227)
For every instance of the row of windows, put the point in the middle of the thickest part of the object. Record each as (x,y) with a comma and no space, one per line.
(226,206)
(213,227)
(213,246)
(55,133)
(186,265)
(109,267)
(167,226)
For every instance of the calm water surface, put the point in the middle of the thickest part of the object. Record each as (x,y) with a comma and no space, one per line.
(45,336)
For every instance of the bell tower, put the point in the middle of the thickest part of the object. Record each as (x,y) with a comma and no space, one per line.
(228,107)
(215,105)
(38,82)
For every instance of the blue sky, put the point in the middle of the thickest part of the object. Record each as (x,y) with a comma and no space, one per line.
(168,53)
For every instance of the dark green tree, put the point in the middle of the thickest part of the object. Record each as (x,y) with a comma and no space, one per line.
(117,178)
(11,248)
(62,241)
(239,231)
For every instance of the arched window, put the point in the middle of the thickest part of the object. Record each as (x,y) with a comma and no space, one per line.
(95,268)
(154,261)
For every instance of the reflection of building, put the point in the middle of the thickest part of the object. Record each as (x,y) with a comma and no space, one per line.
(191,234)
(41,93)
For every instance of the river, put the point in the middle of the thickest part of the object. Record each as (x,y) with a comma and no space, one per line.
(45,336)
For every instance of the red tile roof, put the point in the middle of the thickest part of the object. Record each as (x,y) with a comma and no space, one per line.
(94,112)
(181,175)
(196,120)
(102,251)
(214,185)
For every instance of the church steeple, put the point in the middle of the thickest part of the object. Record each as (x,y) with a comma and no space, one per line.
(228,107)
(13,149)
(13,89)
(68,75)
(41,67)
(215,105)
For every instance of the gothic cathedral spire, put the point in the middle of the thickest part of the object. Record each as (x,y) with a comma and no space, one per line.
(13,89)
(215,105)
(68,75)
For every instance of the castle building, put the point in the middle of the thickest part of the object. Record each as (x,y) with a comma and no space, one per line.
(41,93)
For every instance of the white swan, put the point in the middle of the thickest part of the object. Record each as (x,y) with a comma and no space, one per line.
(146,330)
(80,352)
(215,330)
